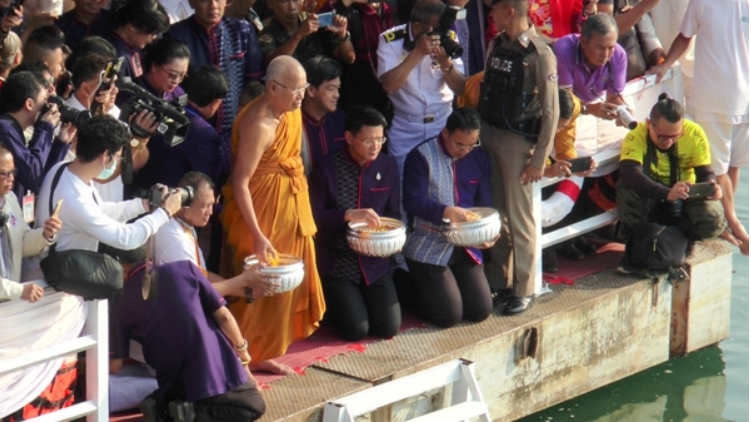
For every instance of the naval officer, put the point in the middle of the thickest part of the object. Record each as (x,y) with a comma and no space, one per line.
(419,77)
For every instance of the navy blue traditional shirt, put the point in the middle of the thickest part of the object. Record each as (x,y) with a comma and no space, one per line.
(337,184)
(433,180)
(322,137)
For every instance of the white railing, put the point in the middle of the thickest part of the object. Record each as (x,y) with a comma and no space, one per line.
(602,141)
(95,342)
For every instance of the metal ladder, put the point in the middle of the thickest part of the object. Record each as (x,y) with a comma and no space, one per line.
(466,397)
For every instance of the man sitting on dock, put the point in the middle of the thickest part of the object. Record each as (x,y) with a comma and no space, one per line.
(661,160)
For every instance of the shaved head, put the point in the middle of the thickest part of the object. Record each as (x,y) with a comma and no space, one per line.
(283,67)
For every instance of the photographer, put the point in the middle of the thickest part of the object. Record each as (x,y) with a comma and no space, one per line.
(420,90)
(206,89)
(88,219)
(87,79)
(178,241)
(165,64)
(656,181)
(23,104)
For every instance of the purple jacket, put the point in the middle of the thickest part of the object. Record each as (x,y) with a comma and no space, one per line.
(378,188)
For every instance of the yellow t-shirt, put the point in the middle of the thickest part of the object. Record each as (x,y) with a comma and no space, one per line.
(692,149)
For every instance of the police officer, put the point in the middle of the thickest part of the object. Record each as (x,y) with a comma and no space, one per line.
(519,108)
(419,77)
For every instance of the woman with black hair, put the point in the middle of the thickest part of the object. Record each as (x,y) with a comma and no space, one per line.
(136,23)
(165,64)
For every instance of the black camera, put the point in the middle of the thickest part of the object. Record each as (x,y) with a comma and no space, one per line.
(68,114)
(173,123)
(157,196)
(676,209)
(449,16)
(108,77)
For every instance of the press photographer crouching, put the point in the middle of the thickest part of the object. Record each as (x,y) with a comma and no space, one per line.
(23,105)
(178,241)
(666,179)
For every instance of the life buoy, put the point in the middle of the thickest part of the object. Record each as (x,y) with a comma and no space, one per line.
(560,203)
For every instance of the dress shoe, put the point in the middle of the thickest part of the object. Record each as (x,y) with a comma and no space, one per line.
(517,305)
(569,251)
(585,247)
(549,260)
(500,297)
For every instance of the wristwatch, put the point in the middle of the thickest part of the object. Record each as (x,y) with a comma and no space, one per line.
(135,143)
(585,109)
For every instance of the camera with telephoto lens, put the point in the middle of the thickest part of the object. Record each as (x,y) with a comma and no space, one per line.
(106,81)
(449,16)
(68,114)
(626,119)
(173,124)
(157,195)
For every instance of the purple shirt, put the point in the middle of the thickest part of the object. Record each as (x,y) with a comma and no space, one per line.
(180,338)
(324,137)
(589,85)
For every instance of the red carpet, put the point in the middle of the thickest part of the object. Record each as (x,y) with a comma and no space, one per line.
(607,257)
(324,344)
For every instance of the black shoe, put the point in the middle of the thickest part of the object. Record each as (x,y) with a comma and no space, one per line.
(182,411)
(517,305)
(624,267)
(500,297)
(569,251)
(151,410)
(549,261)
(585,247)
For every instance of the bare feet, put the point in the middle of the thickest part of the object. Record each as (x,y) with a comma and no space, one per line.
(736,234)
(274,367)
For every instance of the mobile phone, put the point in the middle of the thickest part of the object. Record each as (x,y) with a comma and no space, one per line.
(701,190)
(325,19)
(580,164)
(56,211)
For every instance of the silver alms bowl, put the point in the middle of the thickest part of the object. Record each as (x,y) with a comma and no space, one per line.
(289,273)
(386,241)
(473,233)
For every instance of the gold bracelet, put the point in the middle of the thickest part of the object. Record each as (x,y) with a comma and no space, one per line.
(244,362)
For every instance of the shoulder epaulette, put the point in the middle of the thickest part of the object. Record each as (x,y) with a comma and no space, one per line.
(394,35)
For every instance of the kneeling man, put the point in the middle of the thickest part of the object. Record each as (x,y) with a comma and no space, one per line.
(660,161)
(357,184)
(442,178)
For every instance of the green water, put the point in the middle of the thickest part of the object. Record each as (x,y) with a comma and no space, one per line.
(710,385)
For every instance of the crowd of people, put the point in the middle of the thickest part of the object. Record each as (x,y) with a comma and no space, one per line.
(265,127)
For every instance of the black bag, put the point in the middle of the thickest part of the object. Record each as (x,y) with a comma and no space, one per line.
(655,249)
(89,274)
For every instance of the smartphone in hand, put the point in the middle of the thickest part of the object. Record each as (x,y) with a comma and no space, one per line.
(701,190)
(580,164)
(325,19)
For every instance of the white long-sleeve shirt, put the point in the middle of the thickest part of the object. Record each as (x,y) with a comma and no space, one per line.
(87,220)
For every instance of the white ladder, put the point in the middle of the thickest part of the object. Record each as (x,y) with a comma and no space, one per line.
(466,397)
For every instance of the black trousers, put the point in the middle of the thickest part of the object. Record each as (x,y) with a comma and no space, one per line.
(446,295)
(242,404)
(356,309)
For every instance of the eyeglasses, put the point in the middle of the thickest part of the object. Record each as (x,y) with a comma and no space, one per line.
(174,77)
(663,138)
(8,174)
(467,147)
(369,142)
(293,91)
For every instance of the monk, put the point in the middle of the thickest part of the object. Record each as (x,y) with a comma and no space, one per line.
(267,210)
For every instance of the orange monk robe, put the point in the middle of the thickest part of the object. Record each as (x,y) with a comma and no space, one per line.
(279,192)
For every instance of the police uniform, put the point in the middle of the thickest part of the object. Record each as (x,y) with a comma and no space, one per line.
(423,103)
(519,108)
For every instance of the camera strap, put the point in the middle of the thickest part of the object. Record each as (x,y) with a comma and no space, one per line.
(651,158)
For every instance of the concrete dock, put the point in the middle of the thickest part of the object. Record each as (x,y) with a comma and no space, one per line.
(571,341)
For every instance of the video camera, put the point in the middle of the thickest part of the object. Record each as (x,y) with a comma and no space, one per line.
(449,16)
(68,114)
(157,196)
(173,123)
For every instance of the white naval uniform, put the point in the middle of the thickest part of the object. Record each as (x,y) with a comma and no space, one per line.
(425,95)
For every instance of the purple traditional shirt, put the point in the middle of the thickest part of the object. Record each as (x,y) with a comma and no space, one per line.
(589,85)
(180,338)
